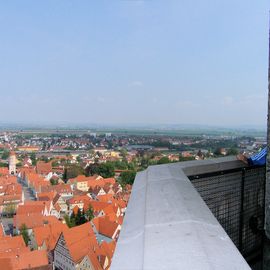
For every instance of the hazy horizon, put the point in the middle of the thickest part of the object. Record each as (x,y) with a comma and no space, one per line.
(160,126)
(127,62)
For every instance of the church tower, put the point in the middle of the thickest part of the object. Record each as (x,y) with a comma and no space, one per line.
(12,163)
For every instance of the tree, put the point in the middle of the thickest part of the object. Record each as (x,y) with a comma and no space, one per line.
(128,177)
(106,170)
(5,154)
(91,152)
(144,162)
(163,160)
(53,182)
(55,163)
(45,159)
(73,171)
(110,145)
(75,219)
(2,164)
(92,169)
(70,220)
(24,233)
(65,175)
(33,158)
(131,166)
(181,158)
(232,152)
(80,217)
(123,152)
(89,213)
(120,165)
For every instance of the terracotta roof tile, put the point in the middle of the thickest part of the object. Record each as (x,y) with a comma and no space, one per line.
(26,260)
(43,167)
(33,220)
(80,240)
(6,263)
(4,171)
(94,260)
(60,189)
(10,246)
(49,233)
(106,227)
(46,196)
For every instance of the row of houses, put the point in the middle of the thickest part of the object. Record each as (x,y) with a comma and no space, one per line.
(11,194)
(15,255)
(87,246)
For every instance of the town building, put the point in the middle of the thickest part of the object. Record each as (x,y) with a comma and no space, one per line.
(73,246)
(12,163)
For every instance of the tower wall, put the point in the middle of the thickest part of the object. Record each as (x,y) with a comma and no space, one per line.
(267,187)
(12,163)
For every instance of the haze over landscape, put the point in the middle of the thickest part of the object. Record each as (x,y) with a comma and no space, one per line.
(134,135)
(134,62)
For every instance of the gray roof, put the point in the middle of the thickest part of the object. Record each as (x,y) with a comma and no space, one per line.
(168,225)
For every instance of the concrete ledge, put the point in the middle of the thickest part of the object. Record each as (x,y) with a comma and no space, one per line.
(168,225)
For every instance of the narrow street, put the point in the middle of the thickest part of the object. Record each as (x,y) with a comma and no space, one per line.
(7,225)
(28,195)
(8,221)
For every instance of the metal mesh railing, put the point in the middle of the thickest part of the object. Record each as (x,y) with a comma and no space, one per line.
(236,198)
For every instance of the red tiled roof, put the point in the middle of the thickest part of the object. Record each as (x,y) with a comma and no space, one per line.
(33,259)
(8,179)
(83,178)
(94,260)
(7,199)
(27,260)
(30,208)
(105,198)
(46,196)
(33,220)
(60,189)
(80,199)
(105,227)
(97,206)
(106,250)
(43,167)
(49,233)
(12,245)
(6,263)
(4,171)
(80,240)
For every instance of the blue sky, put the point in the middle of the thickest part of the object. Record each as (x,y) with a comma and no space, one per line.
(134,62)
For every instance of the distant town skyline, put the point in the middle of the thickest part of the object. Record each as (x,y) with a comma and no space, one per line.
(134,62)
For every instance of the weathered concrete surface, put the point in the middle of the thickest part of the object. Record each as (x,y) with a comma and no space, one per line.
(168,225)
